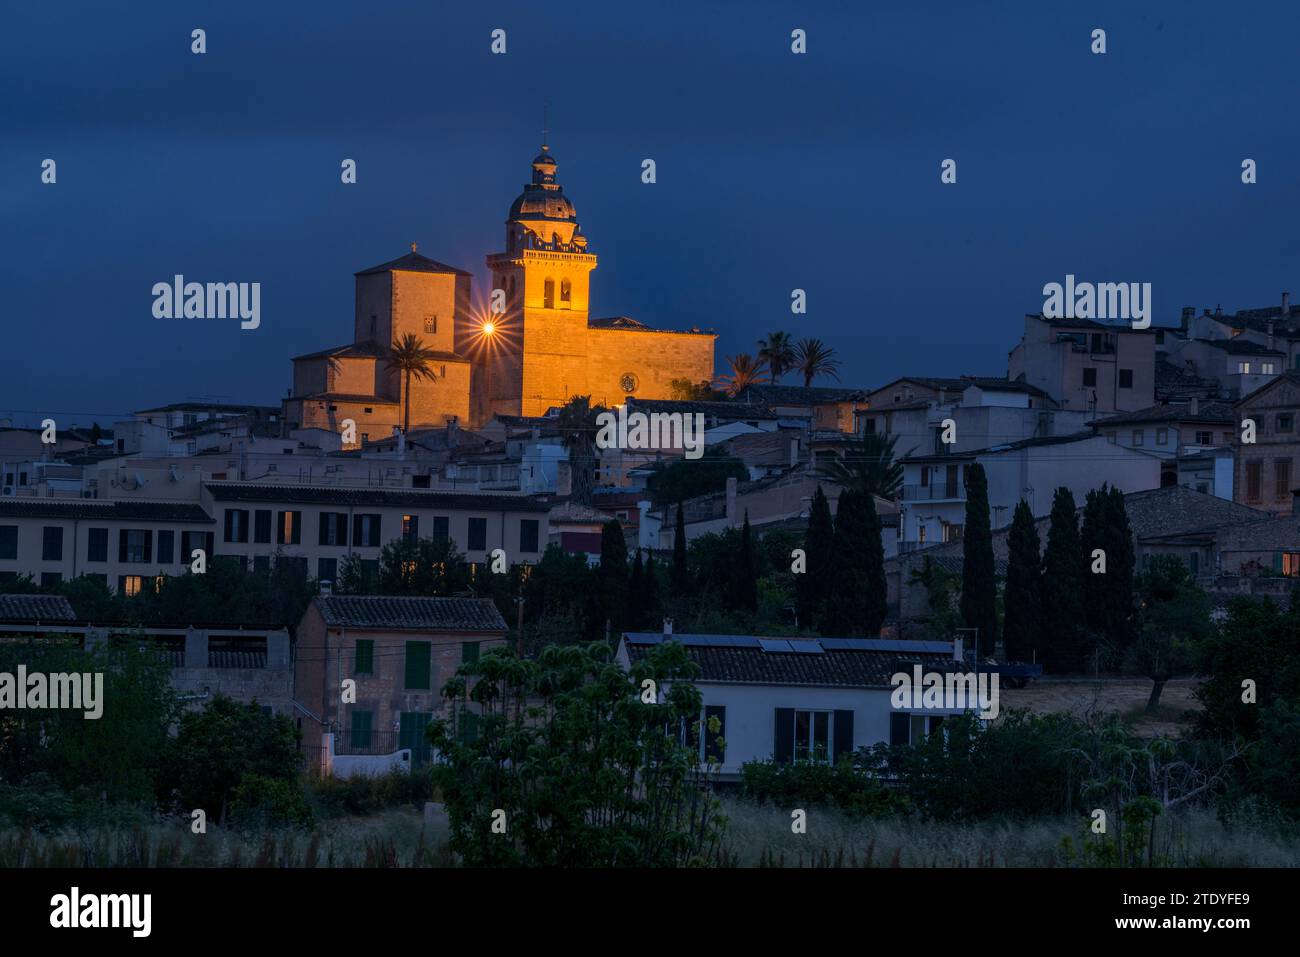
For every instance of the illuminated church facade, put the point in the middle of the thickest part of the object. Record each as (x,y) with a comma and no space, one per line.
(537,349)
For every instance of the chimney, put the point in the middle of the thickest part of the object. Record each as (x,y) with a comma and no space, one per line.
(1286,305)
(957,654)
(1189,313)
(1270,333)
(1194,406)
(668,628)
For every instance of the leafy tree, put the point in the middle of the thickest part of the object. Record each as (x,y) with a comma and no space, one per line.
(218,747)
(813,586)
(857,601)
(579,769)
(612,576)
(684,390)
(687,478)
(979,588)
(868,466)
(410,359)
(356,577)
(778,352)
(1175,617)
(1062,588)
(1256,644)
(424,567)
(812,358)
(942,596)
(1022,624)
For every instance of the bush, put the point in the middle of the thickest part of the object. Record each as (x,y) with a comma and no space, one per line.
(362,796)
(260,801)
(854,792)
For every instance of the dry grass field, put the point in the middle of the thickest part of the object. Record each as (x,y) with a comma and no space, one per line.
(1125,696)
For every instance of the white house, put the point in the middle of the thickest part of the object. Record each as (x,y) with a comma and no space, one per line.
(801,698)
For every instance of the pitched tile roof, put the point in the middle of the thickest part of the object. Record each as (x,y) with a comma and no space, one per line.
(798,395)
(812,662)
(104,511)
(377,498)
(410,614)
(412,262)
(719,410)
(1241,347)
(1213,412)
(35,608)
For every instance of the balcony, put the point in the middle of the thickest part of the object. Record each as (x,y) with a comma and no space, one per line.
(935,492)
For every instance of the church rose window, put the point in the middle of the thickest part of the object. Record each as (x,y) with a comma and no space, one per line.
(628,382)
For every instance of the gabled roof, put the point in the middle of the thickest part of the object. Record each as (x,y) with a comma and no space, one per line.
(799,395)
(412,262)
(375,498)
(808,662)
(1240,347)
(35,608)
(410,614)
(1290,376)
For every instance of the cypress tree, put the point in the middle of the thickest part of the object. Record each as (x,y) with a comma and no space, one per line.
(856,605)
(1121,565)
(1093,535)
(636,613)
(651,602)
(979,587)
(744,573)
(812,586)
(679,554)
(612,577)
(1062,592)
(1021,625)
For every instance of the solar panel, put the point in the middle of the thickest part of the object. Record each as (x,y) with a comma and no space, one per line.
(806,647)
(834,644)
(777,645)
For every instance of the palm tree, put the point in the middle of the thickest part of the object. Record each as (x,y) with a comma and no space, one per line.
(813,358)
(745,371)
(869,467)
(777,350)
(411,359)
(577,425)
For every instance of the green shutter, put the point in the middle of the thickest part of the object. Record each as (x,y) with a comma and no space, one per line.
(365,663)
(469,651)
(1277,562)
(417,665)
(361,730)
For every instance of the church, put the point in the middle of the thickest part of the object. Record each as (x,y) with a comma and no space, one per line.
(530,348)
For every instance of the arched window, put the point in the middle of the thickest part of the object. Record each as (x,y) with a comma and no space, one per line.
(566,293)
(548,294)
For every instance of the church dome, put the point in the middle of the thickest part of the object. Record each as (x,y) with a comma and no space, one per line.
(542,214)
(536,203)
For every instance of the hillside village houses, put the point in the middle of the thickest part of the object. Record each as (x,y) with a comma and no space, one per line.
(488,463)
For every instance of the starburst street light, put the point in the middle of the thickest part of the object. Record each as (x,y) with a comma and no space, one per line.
(489,328)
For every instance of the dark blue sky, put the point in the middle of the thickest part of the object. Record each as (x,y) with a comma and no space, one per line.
(775,171)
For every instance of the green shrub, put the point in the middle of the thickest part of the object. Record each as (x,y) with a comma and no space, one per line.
(260,801)
(852,791)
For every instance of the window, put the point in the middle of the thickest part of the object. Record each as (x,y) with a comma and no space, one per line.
(362,725)
(469,651)
(1204,438)
(130,585)
(548,294)
(288,529)
(365,657)
(333,528)
(327,569)
(166,547)
(528,535)
(97,545)
(411,527)
(1282,479)
(236,525)
(431,324)
(192,541)
(714,751)
(135,545)
(952,533)
(477,534)
(262,526)
(1291,564)
(1137,437)
(1126,378)
(365,531)
(52,544)
(566,293)
(1267,368)
(1285,422)
(1254,481)
(8,542)
(441,528)
(1162,436)
(50,578)
(812,736)
(1243,368)
(1089,378)
(417,665)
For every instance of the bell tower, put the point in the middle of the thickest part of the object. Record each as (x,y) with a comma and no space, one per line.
(545,273)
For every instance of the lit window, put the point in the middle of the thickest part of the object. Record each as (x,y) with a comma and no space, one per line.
(812,736)
(132,584)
